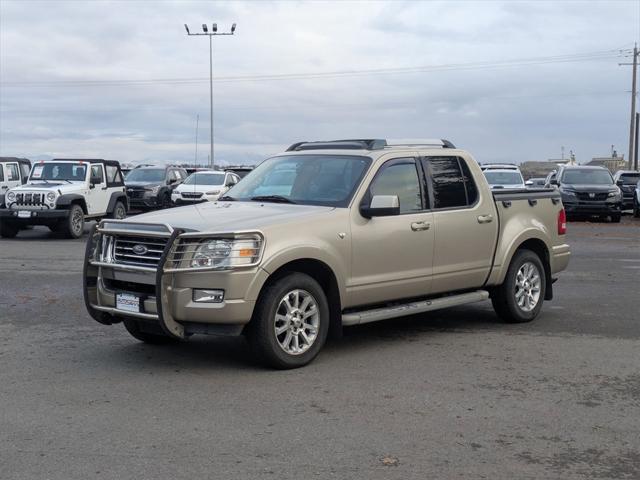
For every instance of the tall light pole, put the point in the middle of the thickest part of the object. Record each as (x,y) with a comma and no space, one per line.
(211,34)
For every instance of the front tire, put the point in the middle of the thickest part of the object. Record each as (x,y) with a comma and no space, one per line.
(290,322)
(519,299)
(615,218)
(147,333)
(119,211)
(8,229)
(73,225)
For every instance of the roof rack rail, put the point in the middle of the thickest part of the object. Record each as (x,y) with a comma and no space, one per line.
(350,144)
(368,144)
(421,142)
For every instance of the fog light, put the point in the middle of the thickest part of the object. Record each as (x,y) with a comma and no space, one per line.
(208,296)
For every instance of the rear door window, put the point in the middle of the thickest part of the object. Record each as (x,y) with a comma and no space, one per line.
(451,182)
(1,173)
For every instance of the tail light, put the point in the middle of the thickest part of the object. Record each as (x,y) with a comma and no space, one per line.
(562,222)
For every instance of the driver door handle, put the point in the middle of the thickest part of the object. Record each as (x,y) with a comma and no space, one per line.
(419,226)
(485,218)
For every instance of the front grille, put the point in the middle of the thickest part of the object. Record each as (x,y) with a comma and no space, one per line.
(191,194)
(596,197)
(140,251)
(30,199)
(135,193)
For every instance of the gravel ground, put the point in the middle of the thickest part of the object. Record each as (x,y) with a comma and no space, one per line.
(452,394)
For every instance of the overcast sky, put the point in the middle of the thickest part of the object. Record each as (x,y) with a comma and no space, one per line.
(508,81)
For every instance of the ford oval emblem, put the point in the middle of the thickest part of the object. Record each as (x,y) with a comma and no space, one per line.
(140,249)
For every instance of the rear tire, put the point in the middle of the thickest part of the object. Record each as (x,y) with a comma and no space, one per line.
(8,229)
(290,323)
(636,210)
(521,295)
(143,332)
(73,225)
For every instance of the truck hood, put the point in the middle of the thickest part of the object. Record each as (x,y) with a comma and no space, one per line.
(63,187)
(143,184)
(229,216)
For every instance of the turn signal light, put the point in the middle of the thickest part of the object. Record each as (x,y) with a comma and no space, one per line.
(562,222)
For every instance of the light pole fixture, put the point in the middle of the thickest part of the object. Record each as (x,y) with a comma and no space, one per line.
(210,34)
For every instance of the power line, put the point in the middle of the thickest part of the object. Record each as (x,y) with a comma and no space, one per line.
(580,57)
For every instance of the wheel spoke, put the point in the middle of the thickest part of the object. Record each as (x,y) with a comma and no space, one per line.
(312,311)
(287,340)
(305,337)
(296,343)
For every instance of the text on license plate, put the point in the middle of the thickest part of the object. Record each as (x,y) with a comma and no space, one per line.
(128,302)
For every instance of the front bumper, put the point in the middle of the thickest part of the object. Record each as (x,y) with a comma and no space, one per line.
(592,208)
(143,202)
(167,297)
(36,217)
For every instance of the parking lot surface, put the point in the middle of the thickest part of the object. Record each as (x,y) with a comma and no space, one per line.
(451,394)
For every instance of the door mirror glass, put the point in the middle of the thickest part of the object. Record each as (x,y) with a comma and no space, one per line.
(381,206)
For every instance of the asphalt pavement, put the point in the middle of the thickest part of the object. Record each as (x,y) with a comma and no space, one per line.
(451,394)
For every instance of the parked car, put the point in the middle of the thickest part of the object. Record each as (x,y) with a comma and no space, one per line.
(536,182)
(504,178)
(150,186)
(499,166)
(203,186)
(355,239)
(62,194)
(588,190)
(636,201)
(239,171)
(13,172)
(627,181)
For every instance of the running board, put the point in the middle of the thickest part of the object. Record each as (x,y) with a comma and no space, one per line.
(384,313)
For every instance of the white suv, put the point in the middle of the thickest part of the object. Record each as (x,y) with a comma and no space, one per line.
(202,186)
(61,194)
(13,172)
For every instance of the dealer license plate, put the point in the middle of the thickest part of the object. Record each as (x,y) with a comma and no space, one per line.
(127,302)
(24,214)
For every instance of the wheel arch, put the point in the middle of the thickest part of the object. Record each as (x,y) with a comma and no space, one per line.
(65,201)
(321,272)
(540,248)
(115,197)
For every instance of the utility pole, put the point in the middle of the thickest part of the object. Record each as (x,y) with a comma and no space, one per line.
(195,159)
(214,32)
(633,146)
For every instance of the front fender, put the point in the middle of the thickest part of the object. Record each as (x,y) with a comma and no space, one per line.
(115,196)
(322,252)
(64,201)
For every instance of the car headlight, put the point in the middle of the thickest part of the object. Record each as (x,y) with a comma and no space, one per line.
(152,190)
(11,196)
(216,253)
(51,196)
(213,192)
(568,193)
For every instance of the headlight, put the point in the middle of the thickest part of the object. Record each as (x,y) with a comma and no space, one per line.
(51,196)
(216,253)
(614,194)
(568,193)
(11,196)
(214,192)
(152,190)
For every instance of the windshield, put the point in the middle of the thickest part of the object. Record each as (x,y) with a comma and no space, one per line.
(630,178)
(328,180)
(59,171)
(145,175)
(503,178)
(587,177)
(205,179)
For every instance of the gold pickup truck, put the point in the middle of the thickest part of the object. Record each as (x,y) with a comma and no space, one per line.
(325,235)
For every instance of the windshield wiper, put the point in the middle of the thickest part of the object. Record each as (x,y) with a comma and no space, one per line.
(272,198)
(226,198)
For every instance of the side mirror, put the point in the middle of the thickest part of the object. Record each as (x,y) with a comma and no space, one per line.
(230,184)
(553,181)
(620,183)
(171,181)
(528,183)
(381,206)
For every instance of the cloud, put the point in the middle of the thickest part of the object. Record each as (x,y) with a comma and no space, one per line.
(500,113)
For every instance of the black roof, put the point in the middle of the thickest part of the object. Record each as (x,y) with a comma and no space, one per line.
(88,160)
(16,159)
